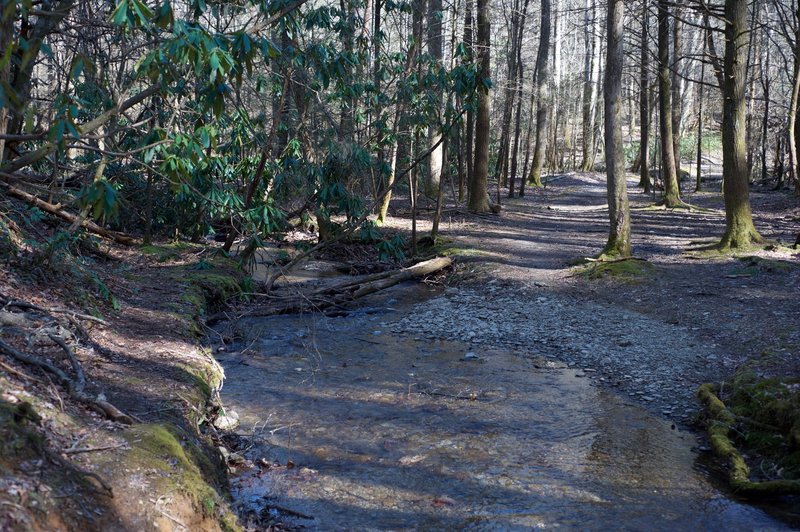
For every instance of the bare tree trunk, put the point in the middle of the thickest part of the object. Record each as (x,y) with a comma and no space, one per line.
(436,51)
(699,177)
(589,87)
(668,171)
(644,101)
(478,196)
(520,27)
(739,229)
(676,108)
(400,111)
(765,86)
(544,100)
(619,235)
(518,119)
(528,131)
(791,122)
(469,133)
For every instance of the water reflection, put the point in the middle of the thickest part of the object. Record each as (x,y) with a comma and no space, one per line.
(382,432)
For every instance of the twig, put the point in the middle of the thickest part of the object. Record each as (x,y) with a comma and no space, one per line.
(288,511)
(76,366)
(45,310)
(93,449)
(173,519)
(101,405)
(17,373)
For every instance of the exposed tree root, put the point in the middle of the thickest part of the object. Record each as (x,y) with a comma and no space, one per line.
(606,259)
(46,310)
(721,421)
(740,240)
(76,386)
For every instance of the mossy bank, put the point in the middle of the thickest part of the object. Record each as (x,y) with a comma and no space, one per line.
(63,467)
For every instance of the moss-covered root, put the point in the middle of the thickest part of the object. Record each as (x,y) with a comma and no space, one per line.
(720,422)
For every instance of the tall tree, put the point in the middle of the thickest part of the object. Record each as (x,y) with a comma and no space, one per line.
(591,70)
(669,172)
(478,195)
(436,51)
(469,129)
(644,102)
(740,232)
(676,104)
(518,92)
(543,95)
(619,235)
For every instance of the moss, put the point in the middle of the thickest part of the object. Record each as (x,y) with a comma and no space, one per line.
(445,247)
(772,402)
(760,264)
(762,415)
(18,432)
(216,287)
(195,301)
(624,270)
(183,467)
(208,377)
(167,252)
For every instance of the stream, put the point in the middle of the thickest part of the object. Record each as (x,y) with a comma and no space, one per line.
(352,427)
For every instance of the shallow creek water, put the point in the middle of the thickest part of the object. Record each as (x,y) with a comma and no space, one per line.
(387,433)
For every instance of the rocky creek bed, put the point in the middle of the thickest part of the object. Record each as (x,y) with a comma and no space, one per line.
(659,363)
(525,393)
(394,417)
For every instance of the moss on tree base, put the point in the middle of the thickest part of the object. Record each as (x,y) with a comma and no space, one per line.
(629,269)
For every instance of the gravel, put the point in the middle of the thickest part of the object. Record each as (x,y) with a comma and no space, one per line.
(656,364)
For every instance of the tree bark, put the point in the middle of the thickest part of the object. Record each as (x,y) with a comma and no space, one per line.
(543,92)
(469,133)
(669,173)
(400,110)
(739,229)
(518,89)
(436,51)
(478,195)
(791,121)
(591,74)
(676,107)
(619,235)
(644,103)
(699,177)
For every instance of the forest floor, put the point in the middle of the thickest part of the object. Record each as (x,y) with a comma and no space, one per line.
(652,334)
(725,310)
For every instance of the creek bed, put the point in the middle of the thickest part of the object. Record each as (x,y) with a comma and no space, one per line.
(358,428)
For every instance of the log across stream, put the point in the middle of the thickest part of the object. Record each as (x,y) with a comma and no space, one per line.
(351,427)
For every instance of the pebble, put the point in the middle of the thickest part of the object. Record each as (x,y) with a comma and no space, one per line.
(648,359)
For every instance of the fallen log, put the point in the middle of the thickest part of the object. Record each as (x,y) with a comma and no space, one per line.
(720,423)
(342,293)
(57,210)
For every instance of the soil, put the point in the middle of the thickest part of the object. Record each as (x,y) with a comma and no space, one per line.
(87,472)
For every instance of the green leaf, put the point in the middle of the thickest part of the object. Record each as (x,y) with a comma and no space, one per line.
(120,15)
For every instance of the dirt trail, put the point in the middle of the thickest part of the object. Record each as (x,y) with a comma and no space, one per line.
(448,409)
